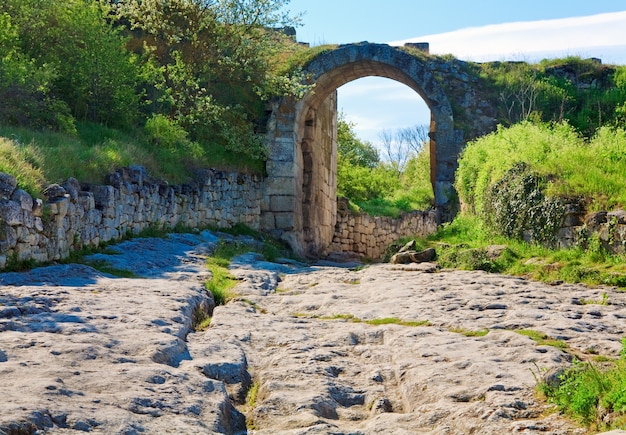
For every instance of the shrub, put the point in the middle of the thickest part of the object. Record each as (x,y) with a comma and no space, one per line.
(517,207)
(515,177)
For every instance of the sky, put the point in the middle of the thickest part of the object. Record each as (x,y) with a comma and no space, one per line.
(528,30)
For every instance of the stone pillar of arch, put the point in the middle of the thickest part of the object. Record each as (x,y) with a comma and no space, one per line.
(299,202)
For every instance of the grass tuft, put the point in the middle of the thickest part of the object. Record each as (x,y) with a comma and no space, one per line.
(542,339)
(470,332)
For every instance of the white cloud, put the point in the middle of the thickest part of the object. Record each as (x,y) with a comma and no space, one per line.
(375,104)
(590,36)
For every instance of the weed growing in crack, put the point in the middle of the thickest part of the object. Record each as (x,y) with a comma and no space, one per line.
(374,322)
(603,301)
(251,402)
(396,321)
(542,339)
(201,319)
(470,332)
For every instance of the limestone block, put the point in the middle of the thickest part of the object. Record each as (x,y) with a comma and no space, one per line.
(10,212)
(267,221)
(8,184)
(23,251)
(280,169)
(38,224)
(8,238)
(23,199)
(72,187)
(104,197)
(285,221)
(282,203)
(23,235)
(40,256)
(37,207)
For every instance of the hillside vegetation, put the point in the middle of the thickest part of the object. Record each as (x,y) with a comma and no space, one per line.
(171,85)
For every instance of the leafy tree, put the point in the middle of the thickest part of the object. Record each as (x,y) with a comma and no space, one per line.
(353,149)
(25,88)
(379,187)
(95,74)
(211,64)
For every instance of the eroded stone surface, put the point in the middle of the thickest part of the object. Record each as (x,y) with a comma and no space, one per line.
(320,371)
(84,351)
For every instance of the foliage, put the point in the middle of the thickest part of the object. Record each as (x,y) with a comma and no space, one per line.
(352,149)
(517,207)
(542,339)
(469,332)
(396,321)
(26,96)
(221,283)
(375,322)
(201,320)
(595,395)
(95,75)
(211,64)
(209,67)
(551,161)
(23,161)
(376,187)
(464,243)
(583,92)
(38,158)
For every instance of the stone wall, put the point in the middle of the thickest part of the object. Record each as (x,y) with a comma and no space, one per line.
(369,236)
(74,216)
(579,230)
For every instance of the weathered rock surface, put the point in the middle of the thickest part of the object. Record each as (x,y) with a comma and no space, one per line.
(320,371)
(84,351)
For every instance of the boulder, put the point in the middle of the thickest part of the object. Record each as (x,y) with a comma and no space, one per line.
(593,220)
(72,187)
(54,191)
(8,183)
(618,215)
(405,257)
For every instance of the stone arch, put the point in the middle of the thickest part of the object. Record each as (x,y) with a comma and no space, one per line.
(300,197)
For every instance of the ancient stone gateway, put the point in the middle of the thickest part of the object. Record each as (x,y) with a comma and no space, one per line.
(299,203)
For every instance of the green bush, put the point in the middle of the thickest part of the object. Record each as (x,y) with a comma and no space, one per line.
(95,75)
(570,165)
(25,88)
(585,388)
(517,207)
(377,187)
(583,92)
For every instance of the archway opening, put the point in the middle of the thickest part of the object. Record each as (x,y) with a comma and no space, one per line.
(299,203)
(386,117)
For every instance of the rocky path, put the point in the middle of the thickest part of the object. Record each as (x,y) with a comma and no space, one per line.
(85,351)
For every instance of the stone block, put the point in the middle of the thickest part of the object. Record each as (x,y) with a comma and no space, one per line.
(280,186)
(23,199)
(279,168)
(282,149)
(285,221)
(37,207)
(8,184)
(10,212)
(8,238)
(104,196)
(279,203)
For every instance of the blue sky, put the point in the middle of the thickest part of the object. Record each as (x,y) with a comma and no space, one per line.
(478,31)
